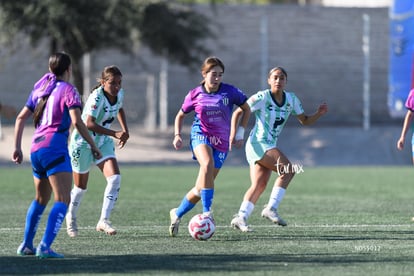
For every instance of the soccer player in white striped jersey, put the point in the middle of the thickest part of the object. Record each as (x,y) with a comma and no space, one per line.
(104,104)
(272,108)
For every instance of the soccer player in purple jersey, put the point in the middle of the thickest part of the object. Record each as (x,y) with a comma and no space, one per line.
(409,104)
(55,105)
(210,140)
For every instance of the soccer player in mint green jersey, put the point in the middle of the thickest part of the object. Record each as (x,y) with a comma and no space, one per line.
(104,104)
(212,102)
(272,108)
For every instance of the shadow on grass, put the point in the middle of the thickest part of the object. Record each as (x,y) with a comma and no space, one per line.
(159,264)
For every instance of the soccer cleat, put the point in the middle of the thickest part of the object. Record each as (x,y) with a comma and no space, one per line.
(71,227)
(42,253)
(175,223)
(105,226)
(240,223)
(24,250)
(209,214)
(272,215)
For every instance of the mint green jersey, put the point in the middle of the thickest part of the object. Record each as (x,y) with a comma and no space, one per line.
(99,107)
(270,119)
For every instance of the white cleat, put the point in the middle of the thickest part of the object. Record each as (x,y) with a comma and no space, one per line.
(175,223)
(240,223)
(105,226)
(272,215)
(71,227)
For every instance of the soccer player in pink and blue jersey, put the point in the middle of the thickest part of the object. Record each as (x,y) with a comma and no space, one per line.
(55,105)
(210,140)
(409,104)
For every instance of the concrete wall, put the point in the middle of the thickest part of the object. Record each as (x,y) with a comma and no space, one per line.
(321,49)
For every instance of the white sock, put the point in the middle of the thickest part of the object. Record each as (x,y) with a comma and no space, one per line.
(276,197)
(111,195)
(76,196)
(246,209)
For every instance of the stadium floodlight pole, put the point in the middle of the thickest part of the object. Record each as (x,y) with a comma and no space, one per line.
(366,81)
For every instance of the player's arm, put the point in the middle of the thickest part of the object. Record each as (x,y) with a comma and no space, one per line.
(407,122)
(122,121)
(75,116)
(178,125)
(311,119)
(95,127)
(24,114)
(239,121)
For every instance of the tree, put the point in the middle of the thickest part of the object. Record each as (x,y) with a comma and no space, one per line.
(81,26)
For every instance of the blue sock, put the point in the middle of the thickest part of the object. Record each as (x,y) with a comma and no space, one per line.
(54,222)
(207,199)
(184,207)
(33,216)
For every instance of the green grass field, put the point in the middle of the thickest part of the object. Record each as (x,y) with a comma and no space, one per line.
(342,221)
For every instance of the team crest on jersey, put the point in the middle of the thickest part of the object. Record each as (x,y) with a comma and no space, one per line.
(225,101)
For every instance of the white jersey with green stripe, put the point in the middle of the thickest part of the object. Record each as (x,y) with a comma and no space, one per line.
(99,107)
(271,117)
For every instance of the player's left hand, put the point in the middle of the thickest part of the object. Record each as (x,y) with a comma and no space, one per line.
(323,108)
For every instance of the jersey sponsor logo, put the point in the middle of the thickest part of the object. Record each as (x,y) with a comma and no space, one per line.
(108,121)
(214,140)
(278,121)
(213,112)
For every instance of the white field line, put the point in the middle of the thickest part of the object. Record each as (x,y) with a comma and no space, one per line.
(337,226)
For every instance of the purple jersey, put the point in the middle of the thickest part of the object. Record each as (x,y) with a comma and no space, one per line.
(213,112)
(53,128)
(409,103)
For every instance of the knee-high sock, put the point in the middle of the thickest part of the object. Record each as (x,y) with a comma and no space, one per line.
(113,186)
(207,199)
(33,216)
(184,208)
(54,222)
(246,209)
(76,196)
(276,197)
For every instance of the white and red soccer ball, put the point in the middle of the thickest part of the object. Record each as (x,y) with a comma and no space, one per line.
(201,227)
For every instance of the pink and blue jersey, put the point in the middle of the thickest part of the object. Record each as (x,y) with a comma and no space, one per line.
(213,112)
(409,103)
(53,128)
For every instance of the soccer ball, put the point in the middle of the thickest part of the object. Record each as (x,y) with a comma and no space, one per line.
(201,227)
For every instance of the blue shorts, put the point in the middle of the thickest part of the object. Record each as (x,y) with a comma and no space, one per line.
(197,138)
(46,162)
(412,144)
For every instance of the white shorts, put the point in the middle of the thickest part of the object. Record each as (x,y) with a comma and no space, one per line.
(82,159)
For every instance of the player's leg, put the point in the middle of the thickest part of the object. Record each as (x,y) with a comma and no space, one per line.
(259,176)
(81,160)
(201,152)
(275,159)
(110,170)
(61,183)
(34,214)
